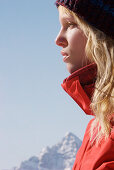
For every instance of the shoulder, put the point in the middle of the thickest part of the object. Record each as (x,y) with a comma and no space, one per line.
(89,123)
(111,136)
(87,131)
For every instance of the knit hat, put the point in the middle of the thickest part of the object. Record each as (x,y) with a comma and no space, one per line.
(98,13)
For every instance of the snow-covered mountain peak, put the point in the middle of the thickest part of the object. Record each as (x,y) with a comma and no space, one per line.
(57,157)
(68,134)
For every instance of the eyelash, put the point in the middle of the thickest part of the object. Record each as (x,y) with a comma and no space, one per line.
(72,24)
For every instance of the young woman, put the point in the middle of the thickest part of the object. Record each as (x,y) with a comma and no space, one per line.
(87,40)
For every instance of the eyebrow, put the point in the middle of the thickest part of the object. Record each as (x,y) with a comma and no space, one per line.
(68,19)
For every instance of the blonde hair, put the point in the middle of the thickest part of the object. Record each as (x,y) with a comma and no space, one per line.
(99,49)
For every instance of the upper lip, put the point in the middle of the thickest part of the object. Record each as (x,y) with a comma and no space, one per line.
(64,53)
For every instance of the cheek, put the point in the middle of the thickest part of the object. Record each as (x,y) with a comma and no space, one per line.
(77,40)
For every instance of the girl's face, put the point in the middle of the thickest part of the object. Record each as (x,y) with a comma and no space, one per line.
(73,41)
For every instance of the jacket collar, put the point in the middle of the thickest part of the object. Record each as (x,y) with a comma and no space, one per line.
(80,86)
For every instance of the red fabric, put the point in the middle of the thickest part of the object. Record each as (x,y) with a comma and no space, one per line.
(80,85)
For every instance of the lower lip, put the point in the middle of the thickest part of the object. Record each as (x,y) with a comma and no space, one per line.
(65,58)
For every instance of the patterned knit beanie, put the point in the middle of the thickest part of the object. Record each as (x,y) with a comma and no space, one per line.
(98,13)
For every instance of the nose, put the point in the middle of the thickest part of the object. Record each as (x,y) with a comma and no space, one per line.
(61,39)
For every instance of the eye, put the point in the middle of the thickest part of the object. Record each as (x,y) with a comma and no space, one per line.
(72,25)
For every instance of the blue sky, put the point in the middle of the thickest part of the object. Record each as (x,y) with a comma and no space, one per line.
(35,111)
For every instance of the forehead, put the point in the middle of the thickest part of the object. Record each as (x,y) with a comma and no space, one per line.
(65,16)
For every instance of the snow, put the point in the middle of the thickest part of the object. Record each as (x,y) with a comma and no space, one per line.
(60,156)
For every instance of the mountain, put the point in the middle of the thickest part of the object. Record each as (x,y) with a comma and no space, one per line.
(58,157)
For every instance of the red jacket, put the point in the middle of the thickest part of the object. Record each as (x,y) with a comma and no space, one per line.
(80,85)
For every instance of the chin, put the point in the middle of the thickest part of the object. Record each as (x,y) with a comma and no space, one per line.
(72,69)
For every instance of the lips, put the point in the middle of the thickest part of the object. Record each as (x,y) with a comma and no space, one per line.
(64,53)
(65,56)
